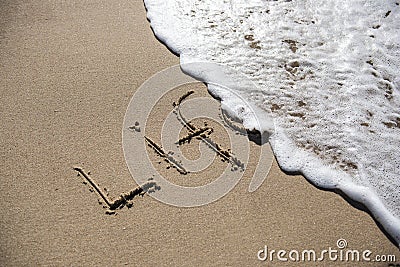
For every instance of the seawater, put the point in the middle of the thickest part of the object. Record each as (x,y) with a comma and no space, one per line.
(326,73)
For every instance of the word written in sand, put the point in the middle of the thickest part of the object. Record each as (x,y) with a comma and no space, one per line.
(124,199)
(182,98)
(226,155)
(167,157)
(203,132)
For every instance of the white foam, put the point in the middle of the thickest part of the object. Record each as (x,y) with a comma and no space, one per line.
(328,70)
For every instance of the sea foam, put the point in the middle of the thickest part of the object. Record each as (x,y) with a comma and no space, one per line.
(327,71)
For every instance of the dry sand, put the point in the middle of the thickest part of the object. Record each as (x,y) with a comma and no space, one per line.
(68,70)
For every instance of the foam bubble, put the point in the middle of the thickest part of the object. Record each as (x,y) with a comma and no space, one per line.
(328,71)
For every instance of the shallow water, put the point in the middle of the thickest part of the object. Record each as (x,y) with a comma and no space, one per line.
(327,71)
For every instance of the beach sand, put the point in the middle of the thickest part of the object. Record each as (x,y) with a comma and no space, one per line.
(68,71)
